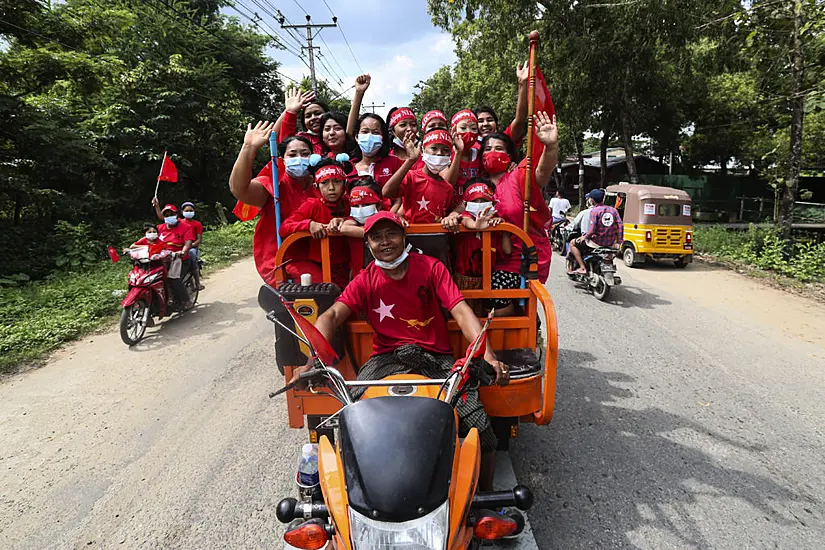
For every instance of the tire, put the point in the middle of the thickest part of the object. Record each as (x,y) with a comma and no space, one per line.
(682,262)
(192,289)
(132,324)
(602,290)
(629,257)
(557,242)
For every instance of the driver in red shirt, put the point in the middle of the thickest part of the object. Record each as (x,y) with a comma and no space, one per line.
(178,238)
(402,294)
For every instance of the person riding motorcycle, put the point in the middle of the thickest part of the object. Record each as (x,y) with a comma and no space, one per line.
(579,227)
(605,229)
(402,294)
(559,206)
(178,238)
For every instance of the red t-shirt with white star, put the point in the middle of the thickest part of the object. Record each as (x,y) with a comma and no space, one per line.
(407,311)
(426,199)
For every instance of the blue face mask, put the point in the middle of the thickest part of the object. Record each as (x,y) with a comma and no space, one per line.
(171,220)
(370,143)
(297,167)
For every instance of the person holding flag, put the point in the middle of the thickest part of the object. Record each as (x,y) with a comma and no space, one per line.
(295,185)
(498,151)
(488,120)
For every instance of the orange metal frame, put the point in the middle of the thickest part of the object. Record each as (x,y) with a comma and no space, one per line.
(532,399)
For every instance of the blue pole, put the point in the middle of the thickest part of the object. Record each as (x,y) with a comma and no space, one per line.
(276,194)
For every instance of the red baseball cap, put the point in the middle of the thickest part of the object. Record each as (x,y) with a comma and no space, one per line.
(171,207)
(381,216)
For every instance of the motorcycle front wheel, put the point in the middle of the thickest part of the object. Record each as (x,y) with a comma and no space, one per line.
(192,290)
(602,290)
(133,321)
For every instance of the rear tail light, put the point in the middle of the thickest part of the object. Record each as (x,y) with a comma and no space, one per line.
(688,237)
(648,236)
(307,536)
(494,527)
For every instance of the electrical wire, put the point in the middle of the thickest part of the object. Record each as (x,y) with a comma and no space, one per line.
(341,30)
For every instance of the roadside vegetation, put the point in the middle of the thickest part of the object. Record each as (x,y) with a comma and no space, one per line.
(38,316)
(763,249)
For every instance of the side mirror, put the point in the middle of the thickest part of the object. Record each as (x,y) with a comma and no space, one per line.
(270,300)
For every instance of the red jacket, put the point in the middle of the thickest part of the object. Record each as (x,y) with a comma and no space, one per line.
(318,210)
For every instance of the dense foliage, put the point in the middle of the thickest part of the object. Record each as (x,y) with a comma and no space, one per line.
(92,93)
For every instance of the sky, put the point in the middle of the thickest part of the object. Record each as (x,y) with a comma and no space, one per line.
(392,40)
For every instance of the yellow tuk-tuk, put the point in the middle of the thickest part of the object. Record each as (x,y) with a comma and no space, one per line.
(657,223)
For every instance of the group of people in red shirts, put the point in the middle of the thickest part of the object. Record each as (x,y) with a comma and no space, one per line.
(180,234)
(339,170)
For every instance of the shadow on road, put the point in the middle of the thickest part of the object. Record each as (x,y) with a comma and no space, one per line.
(635,297)
(608,475)
(208,318)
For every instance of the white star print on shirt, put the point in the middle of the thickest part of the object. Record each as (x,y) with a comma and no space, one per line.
(423,203)
(384,311)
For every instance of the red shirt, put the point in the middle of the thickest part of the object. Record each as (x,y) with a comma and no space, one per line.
(406,311)
(417,165)
(176,236)
(469,255)
(289,128)
(468,169)
(426,198)
(155,247)
(510,206)
(265,242)
(317,210)
(196,226)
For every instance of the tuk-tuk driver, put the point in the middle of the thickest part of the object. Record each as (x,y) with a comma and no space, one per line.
(402,294)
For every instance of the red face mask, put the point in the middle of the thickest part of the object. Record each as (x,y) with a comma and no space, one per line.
(495,162)
(469,139)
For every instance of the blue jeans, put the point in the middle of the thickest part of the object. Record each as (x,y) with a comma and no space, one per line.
(194,255)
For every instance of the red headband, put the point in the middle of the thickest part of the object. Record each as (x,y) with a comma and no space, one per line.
(434,137)
(466,114)
(361,196)
(432,115)
(398,115)
(478,191)
(332,172)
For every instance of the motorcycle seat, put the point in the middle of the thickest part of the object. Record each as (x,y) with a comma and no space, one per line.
(523,362)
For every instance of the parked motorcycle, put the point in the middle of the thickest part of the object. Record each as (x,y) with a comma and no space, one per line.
(396,474)
(148,295)
(601,271)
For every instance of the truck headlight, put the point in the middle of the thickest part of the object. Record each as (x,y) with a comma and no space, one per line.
(425,533)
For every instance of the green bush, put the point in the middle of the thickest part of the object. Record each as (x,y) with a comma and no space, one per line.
(37,317)
(764,249)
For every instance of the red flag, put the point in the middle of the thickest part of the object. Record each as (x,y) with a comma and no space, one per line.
(320,345)
(245,212)
(544,102)
(168,171)
(113,254)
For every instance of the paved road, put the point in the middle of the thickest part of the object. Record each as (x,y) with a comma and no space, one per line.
(689,415)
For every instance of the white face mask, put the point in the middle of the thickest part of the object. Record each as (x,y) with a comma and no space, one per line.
(476,208)
(397,141)
(396,262)
(436,163)
(361,213)
(151,236)
(189,215)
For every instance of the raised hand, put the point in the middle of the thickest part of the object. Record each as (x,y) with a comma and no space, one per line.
(258,136)
(523,72)
(295,100)
(413,151)
(458,143)
(487,218)
(362,83)
(546,129)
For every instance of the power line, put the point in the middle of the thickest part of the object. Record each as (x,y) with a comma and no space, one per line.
(254,20)
(309,26)
(334,18)
(324,42)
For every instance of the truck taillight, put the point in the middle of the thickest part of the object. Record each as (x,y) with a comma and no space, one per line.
(648,236)
(688,237)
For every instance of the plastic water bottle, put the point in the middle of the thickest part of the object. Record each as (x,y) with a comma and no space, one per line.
(308,466)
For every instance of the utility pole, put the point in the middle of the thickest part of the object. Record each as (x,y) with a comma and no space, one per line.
(373,106)
(309,26)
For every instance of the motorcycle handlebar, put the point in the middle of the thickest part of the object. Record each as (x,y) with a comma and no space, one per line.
(290,509)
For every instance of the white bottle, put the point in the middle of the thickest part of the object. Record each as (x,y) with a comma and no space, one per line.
(306,279)
(308,475)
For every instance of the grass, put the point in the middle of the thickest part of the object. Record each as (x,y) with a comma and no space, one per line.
(38,317)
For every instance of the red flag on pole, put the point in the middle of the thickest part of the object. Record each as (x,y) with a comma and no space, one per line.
(245,212)
(544,102)
(168,171)
(113,254)
(320,345)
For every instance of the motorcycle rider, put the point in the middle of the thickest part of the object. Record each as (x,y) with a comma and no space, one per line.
(178,238)
(579,227)
(605,228)
(402,294)
(559,205)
